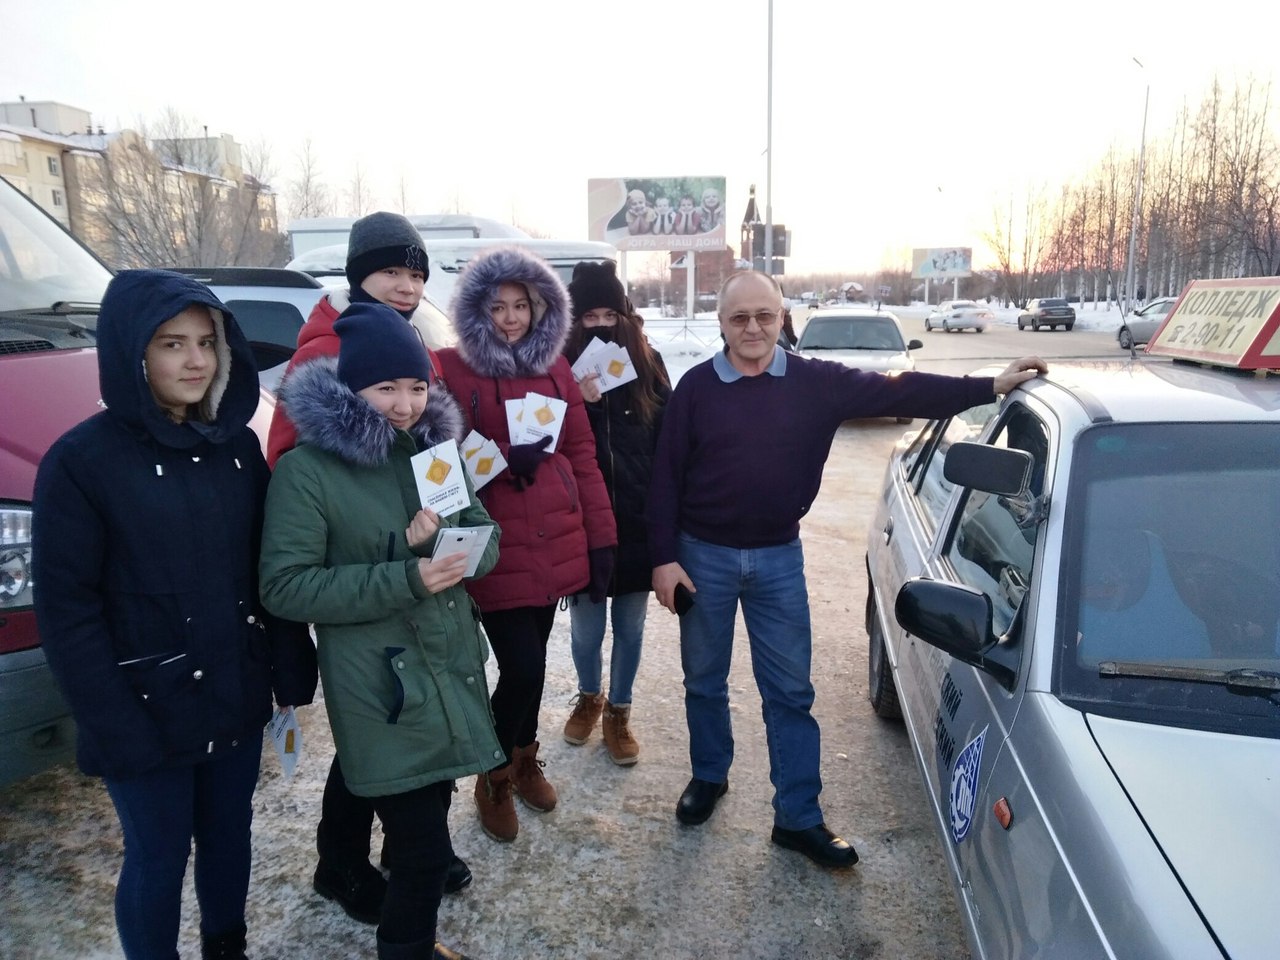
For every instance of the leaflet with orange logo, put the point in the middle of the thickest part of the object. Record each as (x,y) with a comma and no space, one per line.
(542,417)
(610,363)
(438,472)
(481,458)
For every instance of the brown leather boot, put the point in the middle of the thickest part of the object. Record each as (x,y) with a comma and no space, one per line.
(622,746)
(527,779)
(497,809)
(586,711)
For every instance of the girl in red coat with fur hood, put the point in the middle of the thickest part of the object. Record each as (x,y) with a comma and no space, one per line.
(511,313)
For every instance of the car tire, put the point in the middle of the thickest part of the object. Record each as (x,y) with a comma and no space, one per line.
(1020,326)
(1035,326)
(1069,326)
(927,328)
(880,687)
(1126,339)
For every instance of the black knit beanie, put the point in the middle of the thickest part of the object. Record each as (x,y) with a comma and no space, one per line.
(383,240)
(375,344)
(596,285)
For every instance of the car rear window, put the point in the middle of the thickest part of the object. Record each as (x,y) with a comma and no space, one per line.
(1053,302)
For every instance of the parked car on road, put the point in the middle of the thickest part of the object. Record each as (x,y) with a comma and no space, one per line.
(1051,312)
(959,315)
(50,288)
(863,338)
(1141,325)
(1074,605)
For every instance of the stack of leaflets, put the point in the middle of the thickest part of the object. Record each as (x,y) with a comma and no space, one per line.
(481,458)
(535,417)
(610,363)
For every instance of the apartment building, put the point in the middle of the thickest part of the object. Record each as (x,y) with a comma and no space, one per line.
(172,201)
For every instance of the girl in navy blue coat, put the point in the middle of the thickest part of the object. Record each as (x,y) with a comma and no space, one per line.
(147,523)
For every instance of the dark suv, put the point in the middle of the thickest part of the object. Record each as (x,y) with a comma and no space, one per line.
(50,288)
(1051,312)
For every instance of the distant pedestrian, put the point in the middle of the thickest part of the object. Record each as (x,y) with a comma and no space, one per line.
(739,462)
(147,520)
(346,546)
(625,421)
(511,313)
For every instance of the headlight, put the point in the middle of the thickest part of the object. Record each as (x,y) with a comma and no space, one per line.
(15,557)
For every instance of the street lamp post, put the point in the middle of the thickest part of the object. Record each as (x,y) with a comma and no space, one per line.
(768,176)
(1137,200)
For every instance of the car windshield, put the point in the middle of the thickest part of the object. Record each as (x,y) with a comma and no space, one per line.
(1171,596)
(40,264)
(851,333)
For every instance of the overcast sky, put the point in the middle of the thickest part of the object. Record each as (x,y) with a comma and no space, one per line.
(895,125)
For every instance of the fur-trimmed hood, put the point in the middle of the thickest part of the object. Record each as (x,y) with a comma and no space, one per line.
(328,415)
(479,343)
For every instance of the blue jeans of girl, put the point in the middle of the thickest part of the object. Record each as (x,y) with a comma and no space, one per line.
(587,628)
(160,814)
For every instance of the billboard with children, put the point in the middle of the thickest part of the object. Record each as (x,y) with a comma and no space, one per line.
(657,213)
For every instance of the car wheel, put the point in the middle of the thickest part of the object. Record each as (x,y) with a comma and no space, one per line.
(927,327)
(1020,326)
(1126,339)
(1035,326)
(880,689)
(1069,326)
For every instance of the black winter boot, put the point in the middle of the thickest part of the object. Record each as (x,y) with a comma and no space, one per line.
(358,889)
(224,946)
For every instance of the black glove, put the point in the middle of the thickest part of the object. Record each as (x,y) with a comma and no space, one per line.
(600,560)
(523,458)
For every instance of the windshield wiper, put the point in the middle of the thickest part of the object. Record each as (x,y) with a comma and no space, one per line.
(61,308)
(1243,681)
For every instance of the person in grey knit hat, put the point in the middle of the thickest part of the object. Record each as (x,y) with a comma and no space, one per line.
(381,240)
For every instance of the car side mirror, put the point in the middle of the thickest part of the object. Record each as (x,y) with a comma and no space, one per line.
(1000,470)
(915,345)
(955,618)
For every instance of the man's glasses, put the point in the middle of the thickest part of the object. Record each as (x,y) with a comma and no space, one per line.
(763,318)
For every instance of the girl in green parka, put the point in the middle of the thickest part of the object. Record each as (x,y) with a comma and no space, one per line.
(346,545)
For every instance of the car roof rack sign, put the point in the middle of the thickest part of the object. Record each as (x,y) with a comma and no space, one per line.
(1232,323)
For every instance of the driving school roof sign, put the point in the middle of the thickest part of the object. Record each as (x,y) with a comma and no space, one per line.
(1231,323)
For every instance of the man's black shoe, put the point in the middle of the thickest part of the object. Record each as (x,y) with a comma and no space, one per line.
(818,844)
(457,877)
(698,800)
(358,889)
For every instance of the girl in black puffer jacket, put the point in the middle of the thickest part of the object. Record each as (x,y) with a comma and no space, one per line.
(626,421)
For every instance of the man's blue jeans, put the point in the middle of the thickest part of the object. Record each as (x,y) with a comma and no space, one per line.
(769,583)
(160,813)
(587,623)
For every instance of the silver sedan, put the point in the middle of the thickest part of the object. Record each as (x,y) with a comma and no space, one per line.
(1074,606)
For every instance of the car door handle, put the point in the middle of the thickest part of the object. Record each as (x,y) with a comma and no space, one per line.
(888,530)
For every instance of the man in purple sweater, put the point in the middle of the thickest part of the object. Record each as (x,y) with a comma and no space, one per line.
(744,439)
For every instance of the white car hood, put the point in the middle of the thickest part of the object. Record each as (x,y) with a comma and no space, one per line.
(1212,802)
(881,361)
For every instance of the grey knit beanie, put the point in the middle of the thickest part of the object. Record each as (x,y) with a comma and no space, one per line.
(383,240)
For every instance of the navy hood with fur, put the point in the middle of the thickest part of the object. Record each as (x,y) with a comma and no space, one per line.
(480,344)
(136,303)
(329,415)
